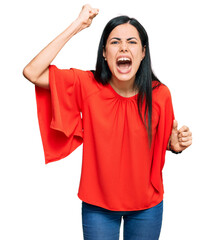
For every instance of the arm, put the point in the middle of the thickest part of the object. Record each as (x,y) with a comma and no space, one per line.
(179,139)
(37,70)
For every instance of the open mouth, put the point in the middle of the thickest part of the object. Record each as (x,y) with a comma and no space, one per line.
(124,64)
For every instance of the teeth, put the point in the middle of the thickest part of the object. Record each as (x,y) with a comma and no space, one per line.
(123,59)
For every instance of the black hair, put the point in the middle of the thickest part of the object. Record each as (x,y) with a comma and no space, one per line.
(144,75)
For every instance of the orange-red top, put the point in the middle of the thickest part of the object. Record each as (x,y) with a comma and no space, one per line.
(119,170)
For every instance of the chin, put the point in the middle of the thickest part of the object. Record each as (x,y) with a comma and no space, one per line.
(125,77)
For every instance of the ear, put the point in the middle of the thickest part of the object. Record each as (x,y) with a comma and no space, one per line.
(143,52)
(104,52)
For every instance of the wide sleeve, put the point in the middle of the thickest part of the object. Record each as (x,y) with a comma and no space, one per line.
(163,133)
(58,111)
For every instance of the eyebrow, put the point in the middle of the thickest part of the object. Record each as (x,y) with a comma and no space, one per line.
(126,39)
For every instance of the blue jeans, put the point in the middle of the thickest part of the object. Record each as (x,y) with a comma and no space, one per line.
(102,224)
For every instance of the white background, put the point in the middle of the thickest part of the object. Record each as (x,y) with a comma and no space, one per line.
(39,201)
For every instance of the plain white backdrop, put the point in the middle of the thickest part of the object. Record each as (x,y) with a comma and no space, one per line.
(40,201)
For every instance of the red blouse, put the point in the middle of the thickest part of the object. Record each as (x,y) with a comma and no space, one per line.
(119,170)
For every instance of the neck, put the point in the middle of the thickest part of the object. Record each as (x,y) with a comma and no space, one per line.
(124,88)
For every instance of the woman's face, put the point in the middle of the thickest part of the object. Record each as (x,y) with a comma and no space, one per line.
(124,52)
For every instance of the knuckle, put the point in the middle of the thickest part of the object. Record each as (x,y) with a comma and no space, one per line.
(186,128)
(184,144)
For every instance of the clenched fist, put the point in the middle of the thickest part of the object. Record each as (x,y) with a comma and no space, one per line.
(180,139)
(86,15)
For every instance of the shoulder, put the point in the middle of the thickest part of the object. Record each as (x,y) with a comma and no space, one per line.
(161,96)
(82,73)
(83,80)
(74,75)
(87,82)
(71,73)
(161,91)
(86,78)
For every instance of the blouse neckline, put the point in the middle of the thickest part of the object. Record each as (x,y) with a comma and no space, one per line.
(120,96)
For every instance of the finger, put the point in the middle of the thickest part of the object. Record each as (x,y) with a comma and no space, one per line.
(183,129)
(175,125)
(186,144)
(96,11)
(93,12)
(87,6)
(184,134)
(185,139)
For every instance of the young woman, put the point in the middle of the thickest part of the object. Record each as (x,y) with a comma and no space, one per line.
(126,127)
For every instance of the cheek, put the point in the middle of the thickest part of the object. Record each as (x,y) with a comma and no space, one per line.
(138,60)
(110,54)
(111,66)
(110,57)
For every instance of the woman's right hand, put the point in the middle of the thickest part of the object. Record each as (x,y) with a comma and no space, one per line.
(86,15)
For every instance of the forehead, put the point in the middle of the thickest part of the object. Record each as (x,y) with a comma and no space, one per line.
(124,31)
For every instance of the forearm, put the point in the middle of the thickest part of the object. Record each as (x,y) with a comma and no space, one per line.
(39,64)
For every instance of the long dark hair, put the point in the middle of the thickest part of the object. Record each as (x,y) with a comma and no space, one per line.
(144,75)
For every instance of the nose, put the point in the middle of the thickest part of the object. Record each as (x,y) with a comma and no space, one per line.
(123,47)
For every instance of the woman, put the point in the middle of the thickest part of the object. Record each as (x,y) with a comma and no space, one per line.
(126,127)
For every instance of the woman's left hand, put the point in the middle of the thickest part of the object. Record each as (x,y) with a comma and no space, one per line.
(180,139)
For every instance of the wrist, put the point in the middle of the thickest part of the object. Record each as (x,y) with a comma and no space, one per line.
(167,148)
(171,148)
(77,25)
(80,23)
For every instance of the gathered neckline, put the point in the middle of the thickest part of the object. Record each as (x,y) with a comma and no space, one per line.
(120,96)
